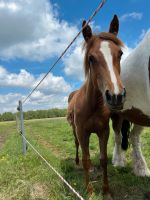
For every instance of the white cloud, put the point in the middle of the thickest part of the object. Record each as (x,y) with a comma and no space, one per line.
(11,6)
(51,84)
(74,62)
(51,93)
(23,79)
(143,32)
(42,101)
(9,102)
(132,15)
(30,30)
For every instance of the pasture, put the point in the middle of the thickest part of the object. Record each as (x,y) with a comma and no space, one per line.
(28,177)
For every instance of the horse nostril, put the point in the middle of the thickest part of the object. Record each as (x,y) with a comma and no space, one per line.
(115,101)
(119,99)
(108,96)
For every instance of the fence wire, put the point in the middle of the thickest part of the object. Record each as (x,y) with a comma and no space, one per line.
(54,170)
(25,99)
(63,53)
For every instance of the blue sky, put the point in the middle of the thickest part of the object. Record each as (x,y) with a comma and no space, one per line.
(33,34)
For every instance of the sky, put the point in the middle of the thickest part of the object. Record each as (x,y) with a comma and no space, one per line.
(33,34)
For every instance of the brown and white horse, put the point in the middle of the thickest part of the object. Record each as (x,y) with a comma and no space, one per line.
(135,74)
(88,109)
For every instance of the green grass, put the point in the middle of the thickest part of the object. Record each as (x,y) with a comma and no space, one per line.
(28,177)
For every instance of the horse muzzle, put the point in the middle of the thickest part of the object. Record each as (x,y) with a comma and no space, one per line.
(115,102)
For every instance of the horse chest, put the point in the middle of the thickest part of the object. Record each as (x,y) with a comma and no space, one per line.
(96,123)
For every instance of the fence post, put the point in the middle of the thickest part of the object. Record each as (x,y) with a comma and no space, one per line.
(24,144)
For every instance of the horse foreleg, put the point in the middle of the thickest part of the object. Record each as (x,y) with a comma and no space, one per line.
(77,147)
(139,164)
(118,154)
(118,158)
(86,162)
(103,140)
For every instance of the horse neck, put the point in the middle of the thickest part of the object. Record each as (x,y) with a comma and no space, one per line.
(93,95)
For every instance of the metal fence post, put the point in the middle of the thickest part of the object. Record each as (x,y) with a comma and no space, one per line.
(24,144)
(18,123)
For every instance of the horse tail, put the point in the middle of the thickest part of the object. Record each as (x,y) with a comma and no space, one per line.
(70,118)
(70,110)
(125,134)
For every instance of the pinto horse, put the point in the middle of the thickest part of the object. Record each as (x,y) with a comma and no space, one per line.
(88,109)
(135,73)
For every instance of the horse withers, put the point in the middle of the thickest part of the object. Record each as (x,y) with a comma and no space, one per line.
(89,107)
(135,74)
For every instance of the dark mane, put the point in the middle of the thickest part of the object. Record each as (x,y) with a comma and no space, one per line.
(103,36)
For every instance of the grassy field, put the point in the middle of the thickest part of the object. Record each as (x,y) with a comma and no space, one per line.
(28,177)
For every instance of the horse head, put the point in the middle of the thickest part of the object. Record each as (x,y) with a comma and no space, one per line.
(102,63)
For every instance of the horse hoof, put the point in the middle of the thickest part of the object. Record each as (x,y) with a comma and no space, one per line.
(92,169)
(108,197)
(91,196)
(90,189)
(119,162)
(119,159)
(145,172)
(77,161)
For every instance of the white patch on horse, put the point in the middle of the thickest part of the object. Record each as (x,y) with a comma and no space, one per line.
(135,77)
(140,167)
(118,155)
(105,49)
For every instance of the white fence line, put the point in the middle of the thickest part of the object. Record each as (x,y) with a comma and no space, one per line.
(24,100)
(54,170)
(66,49)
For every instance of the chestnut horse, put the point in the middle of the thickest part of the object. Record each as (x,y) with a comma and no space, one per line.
(88,109)
(135,73)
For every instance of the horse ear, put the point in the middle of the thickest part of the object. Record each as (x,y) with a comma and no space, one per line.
(87,31)
(114,25)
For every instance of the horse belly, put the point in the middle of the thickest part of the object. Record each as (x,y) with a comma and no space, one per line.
(137,117)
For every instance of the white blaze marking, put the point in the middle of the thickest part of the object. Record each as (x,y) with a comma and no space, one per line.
(105,49)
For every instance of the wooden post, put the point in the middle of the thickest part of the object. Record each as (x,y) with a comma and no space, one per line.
(24,144)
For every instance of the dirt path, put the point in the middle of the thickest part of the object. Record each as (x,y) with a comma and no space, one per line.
(52,118)
(2,140)
(56,151)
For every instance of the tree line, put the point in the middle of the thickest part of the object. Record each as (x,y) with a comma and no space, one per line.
(38,114)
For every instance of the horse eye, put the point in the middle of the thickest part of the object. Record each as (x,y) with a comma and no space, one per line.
(120,53)
(91,60)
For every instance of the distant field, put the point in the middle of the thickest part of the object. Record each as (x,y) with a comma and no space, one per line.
(28,177)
